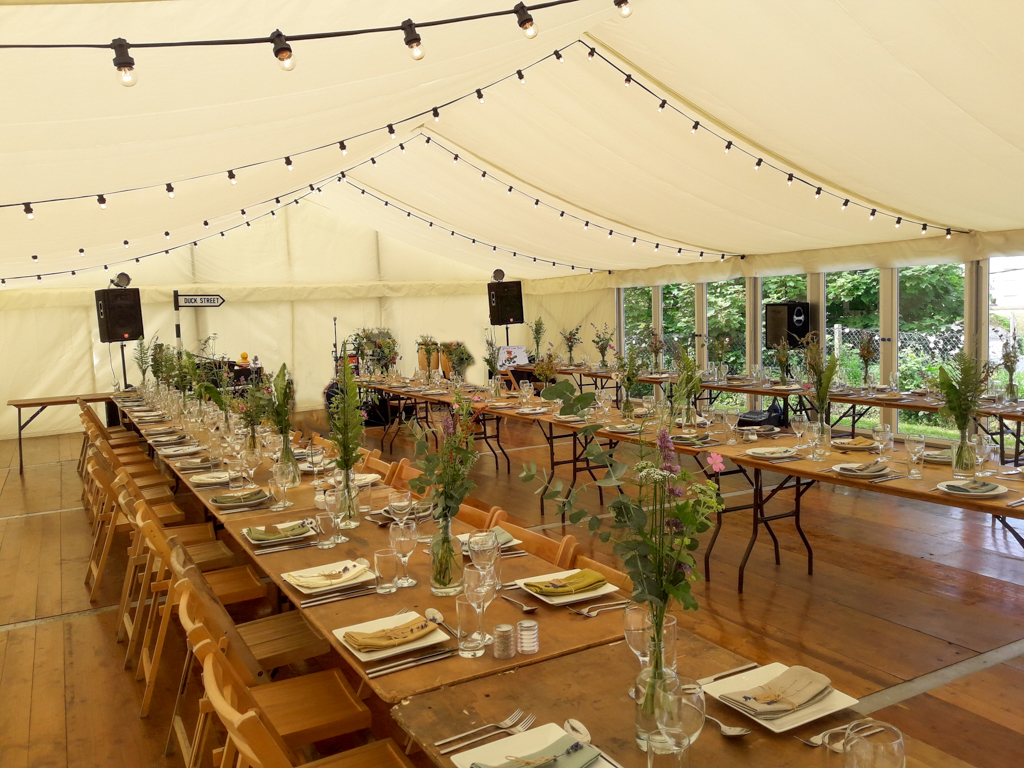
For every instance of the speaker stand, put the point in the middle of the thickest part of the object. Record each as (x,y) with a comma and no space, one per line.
(507,344)
(124,368)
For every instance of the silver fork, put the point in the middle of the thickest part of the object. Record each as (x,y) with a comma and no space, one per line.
(403,610)
(593,610)
(816,741)
(523,726)
(508,722)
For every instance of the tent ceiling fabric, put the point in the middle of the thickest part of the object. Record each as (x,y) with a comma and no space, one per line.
(913,106)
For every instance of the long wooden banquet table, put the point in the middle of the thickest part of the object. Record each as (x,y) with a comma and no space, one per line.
(798,475)
(583,668)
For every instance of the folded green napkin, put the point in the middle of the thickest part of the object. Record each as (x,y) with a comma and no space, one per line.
(585,580)
(273,533)
(503,536)
(246,497)
(867,468)
(567,752)
(946,454)
(974,486)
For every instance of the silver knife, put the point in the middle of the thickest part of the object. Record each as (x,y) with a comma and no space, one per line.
(337,598)
(412,664)
(727,673)
(409,659)
(878,480)
(284,549)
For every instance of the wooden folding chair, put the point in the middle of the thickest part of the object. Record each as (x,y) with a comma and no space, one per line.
(403,473)
(254,742)
(559,552)
(384,469)
(479,518)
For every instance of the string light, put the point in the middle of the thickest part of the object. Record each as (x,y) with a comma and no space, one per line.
(924,229)
(525,21)
(872,216)
(35,257)
(28,211)
(343,148)
(125,243)
(81,251)
(846,203)
(401,146)
(521,76)
(102,202)
(232,178)
(246,216)
(373,162)
(282,51)
(728,146)
(437,114)
(167,235)
(696,125)
(949,233)
(170,190)
(629,79)
(124,63)
(757,165)
(790,180)
(624,9)
(412,40)
(558,55)
(206,224)
(899,220)
(480,95)
(664,103)
(391,131)
(288,163)
(817,193)
(591,54)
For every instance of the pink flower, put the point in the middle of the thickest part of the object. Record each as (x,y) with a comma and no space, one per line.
(717,464)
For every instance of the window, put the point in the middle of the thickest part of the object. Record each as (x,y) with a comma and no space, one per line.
(678,318)
(638,315)
(727,322)
(851,327)
(931,330)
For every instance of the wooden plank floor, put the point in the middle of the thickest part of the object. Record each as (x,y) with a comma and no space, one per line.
(900,590)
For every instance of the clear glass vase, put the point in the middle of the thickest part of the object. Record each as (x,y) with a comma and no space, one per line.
(965,458)
(627,409)
(347,516)
(659,673)
(446,564)
(1011,392)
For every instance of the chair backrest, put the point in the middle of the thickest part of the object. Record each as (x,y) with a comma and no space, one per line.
(473,516)
(92,418)
(322,442)
(403,473)
(559,552)
(510,381)
(203,615)
(364,456)
(446,364)
(613,576)
(382,468)
(252,734)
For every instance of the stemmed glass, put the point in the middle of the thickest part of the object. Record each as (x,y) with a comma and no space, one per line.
(799,424)
(915,445)
(332,500)
(881,434)
(315,456)
(400,503)
(484,551)
(280,477)
(648,401)
(527,390)
(403,541)
(251,459)
(479,586)
(732,418)
(637,631)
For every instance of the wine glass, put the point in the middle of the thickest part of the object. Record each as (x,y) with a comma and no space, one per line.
(732,418)
(799,424)
(479,586)
(648,401)
(483,548)
(332,501)
(894,381)
(915,445)
(251,459)
(280,477)
(400,503)
(637,631)
(403,541)
(881,434)
(315,456)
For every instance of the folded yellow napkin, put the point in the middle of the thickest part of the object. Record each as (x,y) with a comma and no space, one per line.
(583,581)
(794,689)
(389,638)
(273,533)
(331,578)
(256,494)
(855,441)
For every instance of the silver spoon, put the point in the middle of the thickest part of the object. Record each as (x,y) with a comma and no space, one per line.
(526,608)
(729,731)
(434,616)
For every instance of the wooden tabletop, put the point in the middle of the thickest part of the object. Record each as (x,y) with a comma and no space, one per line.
(43,402)
(591,686)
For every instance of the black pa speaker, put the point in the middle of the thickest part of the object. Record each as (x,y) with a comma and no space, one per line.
(506,303)
(119,311)
(787,322)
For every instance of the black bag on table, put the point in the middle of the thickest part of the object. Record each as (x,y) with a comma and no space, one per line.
(771,417)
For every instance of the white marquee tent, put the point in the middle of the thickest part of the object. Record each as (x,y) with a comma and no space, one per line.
(912,109)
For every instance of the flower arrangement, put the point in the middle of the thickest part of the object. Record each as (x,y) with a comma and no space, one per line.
(545,368)
(820,371)
(161,362)
(866,353)
(603,339)
(251,407)
(537,329)
(429,347)
(962,388)
(280,400)
(143,356)
(572,339)
(459,356)
(782,353)
(655,345)
(377,346)
(1009,359)
(345,416)
(717,348)
(445,481)
(687,387)
(491,356)
(656,523)
(627,372)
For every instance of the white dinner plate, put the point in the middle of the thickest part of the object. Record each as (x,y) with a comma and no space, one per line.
(464,538)
(166,440)
(936,457)
(787,387)
(180,450)
(760,430)
(833,702)
(363,578)
(525,743)
(218,477)
(532,411)
(624,429)
(843,469)
(310,523)
(771,453)
(999,491)
(431,638)
(607,589)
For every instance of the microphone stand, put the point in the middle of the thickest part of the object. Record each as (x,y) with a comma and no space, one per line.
(334,353)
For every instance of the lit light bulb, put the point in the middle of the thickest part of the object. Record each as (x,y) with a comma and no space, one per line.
(342,147)
(437,114)
(480,95)
(530,30)
(127,76)
(232,178)
(102,201)
(412,40)
(846,204)
(288,163)
(282,51)
(817,193)
(525,21)
(790,180)
(899,220)
(521,76)
(757,165)
(28,212)
(624,10)
(170,191)
(949,233)
(124,63)
(872,216)
(416,51)
(125,243)
(167,235)
(924,229)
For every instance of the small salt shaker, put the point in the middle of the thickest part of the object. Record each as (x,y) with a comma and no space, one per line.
(504,641)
